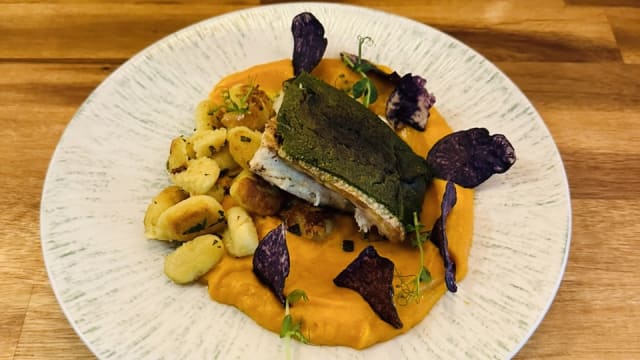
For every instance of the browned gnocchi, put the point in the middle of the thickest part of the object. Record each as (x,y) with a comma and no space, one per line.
(243,143)
(206,167)
(255,194)
(168,197)
(193,259)
(191,217)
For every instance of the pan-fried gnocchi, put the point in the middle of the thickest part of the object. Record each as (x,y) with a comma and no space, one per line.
(193,259)
(225,161)
(205,116)
(243,143)
(168,197)
(247,105)
(208,142)
(221,188)
(241,237)
(199,176)
(191,217)
(208,168)
(255,194)
(178,156)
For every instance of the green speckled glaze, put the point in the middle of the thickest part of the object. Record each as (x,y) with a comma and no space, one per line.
(326,129)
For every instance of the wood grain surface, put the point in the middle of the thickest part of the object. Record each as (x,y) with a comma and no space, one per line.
(577,60)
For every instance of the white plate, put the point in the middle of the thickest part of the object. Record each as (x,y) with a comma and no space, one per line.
(110,162)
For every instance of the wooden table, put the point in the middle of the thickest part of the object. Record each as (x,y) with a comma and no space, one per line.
(577,60)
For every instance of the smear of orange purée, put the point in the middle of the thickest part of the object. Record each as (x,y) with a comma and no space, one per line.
(334,315)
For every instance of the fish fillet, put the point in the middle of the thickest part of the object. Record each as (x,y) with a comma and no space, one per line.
(326,148)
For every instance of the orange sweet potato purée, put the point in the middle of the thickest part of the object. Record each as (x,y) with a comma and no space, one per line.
(334,315)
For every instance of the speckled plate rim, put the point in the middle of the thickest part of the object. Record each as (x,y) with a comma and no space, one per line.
(69,132)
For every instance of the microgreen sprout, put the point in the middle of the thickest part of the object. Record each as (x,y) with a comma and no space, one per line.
(362,65)
(290,329)
(363,88)
(409,286)
(237,101)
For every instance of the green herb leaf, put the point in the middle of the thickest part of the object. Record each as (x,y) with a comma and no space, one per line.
(363,88)
(372,94)
(286,326)
(363,67)
(359,87)
(366,89)
(290,329)
(197,227)
(299,336)
(236,98)
(296,295)
(425,275)
(410,290)
(420,236)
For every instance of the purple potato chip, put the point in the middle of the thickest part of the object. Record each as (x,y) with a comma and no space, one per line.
(271,261)
(371,275)
(469,157)
(439,236)
(309,42)
(409,103)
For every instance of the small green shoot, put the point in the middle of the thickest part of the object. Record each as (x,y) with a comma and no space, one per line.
(236,98)
(366,89)
(409,289)
(363,88)
(290,329)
